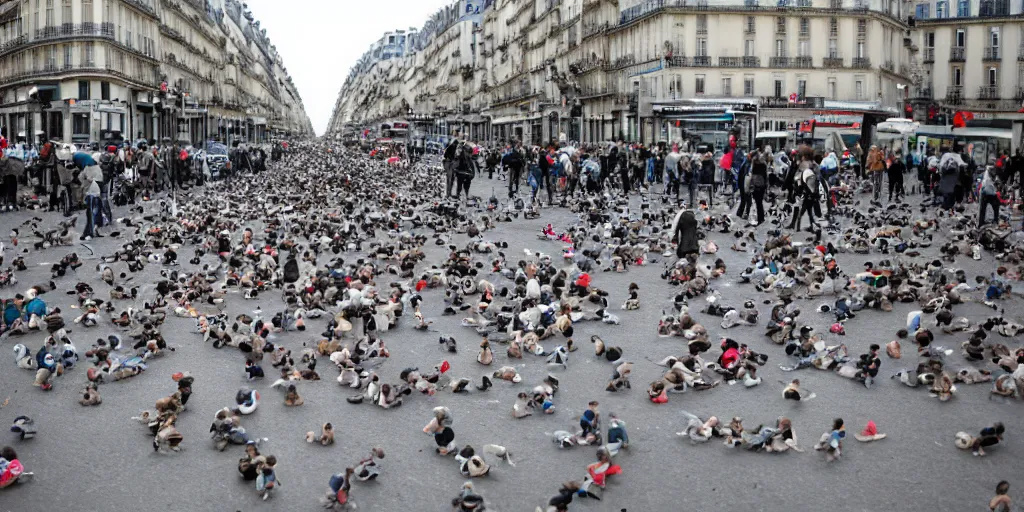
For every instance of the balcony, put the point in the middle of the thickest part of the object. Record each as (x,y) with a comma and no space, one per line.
(702,61)
(803,62)
(832,62)
(751,62)
(928,56)
(957,54)
(992,53)
(780,62)
(889,66)
(922,93)
(988,92)
(861,63)
(955,94)
(730,62)
(48,71)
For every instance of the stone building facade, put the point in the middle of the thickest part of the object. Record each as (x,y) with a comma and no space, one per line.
(652,70)
(93,70)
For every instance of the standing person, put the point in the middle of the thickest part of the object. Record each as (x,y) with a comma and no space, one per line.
(545,160)
(109,165)
(623,165)
(759,183)
(449,162)
(707,176)
(949,170)
(743,186)
(875,166)
(673,171)
(569,169)
(858,156)
(808,184)
(514,162)
(464,171)
(989,196)
(48,175)
(145,169)
(91,177)
(896,171)
(492,162)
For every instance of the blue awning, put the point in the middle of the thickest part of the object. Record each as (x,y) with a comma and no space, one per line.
(702,119)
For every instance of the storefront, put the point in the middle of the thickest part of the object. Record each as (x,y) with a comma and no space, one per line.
(981,139)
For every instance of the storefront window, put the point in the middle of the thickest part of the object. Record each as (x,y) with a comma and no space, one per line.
(80,124)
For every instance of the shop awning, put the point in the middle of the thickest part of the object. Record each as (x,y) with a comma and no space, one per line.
(702,119)
(771,135)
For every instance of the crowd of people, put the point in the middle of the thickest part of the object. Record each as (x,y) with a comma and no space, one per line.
(330,239)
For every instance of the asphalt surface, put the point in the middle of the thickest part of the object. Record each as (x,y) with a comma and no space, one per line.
(96,458)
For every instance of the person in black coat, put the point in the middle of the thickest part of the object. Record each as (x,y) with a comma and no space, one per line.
(684,232)
(514,162)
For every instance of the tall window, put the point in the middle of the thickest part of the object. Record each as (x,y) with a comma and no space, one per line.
(748,86)
(861,51)
(963,8)
(104,90)
(958,76)
(748,48)
(702,23)
(801,88)
(831,88)
(780,48)
(993,37)
(961,38)
(83,90)
(921,11)
(992,78)
(727,86)
(751,24)
(50,21)
(833,48)
(108,11)
(87,11)
(65,12)
(699,85)
(805,48)
(858,89)
(805,27)
(51,57)
(35,20)
(929,40)
(941,9)
(68,59)
(833,27)
(778,88)
(702,47)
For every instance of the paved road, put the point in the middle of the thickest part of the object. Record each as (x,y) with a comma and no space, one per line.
(91,459)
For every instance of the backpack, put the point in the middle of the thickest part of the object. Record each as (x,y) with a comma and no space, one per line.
(951,167)
(107,166)
(811,182)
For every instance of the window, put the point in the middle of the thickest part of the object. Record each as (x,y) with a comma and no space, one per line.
(83,89)
(778,88)
(929,40)
(963,8)
(108,11)
(748,48)
(751,24)
(68,60)
(993,77)
(702,23)
(104,90)
(858,90)
(727,86)
(65,12)
(702,47)
(805,27)
(941,9)
(961,38)
(699,85)
(35,19)
(833,48)
(861,52)
(805,48)
(831,88)
(80,124)
(86,11)
(958,76)
(833,27)
(748,86)
(862,28)
(88,56)
(49,14)
(780,25)
(993,37)
(921,11)
(51,57)
(780,48)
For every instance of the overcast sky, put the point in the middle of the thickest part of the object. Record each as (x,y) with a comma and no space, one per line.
(320,40)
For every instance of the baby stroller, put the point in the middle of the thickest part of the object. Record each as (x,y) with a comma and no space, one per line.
(123,191)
